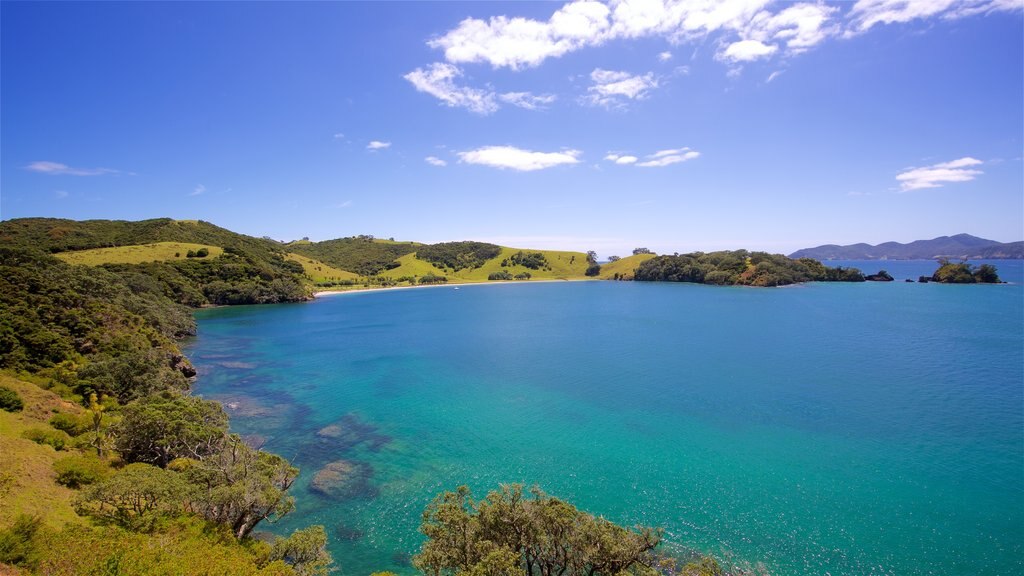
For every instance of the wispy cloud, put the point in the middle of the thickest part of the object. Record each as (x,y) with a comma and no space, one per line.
(665,56)
(435,161)
(668,157)
(934,176)
(56,168)
(527,100)
(610,87)
(345,204)
(510,157)
(774,75)
(199,189)
(867,13)
(438,80)
(621,159)
(60,194)
(378,145)
(338,135)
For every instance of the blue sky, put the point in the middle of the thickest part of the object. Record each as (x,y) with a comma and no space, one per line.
(585,125)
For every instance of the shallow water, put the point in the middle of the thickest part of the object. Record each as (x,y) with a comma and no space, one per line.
(870,428)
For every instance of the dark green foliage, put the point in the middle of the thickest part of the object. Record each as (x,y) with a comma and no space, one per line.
(531,260)
(305,550)
(741,268)
(190,254)
(963,273)
(511,533)
(882,276)
(159,429)
(135,497)
(76,471)
(10,401)
(433,279)
(203,253)
(133,374)
(16,546)
(593,269)
(502,275)
(641,251)
(359,254)
(53,438)
(458,255)
(614,258)
(524,276)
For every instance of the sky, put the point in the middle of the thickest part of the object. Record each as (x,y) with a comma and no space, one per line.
(677,126)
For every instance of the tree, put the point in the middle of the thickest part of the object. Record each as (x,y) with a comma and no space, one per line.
(593,269)
(641,251)
(511,533)
(613,258)
(305,550)
(159,429)
(986,273)
(135,497)
(591,256)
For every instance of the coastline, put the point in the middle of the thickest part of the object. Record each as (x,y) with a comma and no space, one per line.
(447,284)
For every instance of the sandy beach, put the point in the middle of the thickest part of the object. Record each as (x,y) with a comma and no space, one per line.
(446,285)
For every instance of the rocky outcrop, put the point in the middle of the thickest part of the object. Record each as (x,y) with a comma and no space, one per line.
(882,276)
(343,479)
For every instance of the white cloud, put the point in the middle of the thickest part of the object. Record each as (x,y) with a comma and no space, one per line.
(518,159)
(610,85)
(936,175)
(664,56)
(621,159)
(668,157)
(438,80)
(378,145)
(199,189)
(345,204)
(527,100)
(435,161)
(747,50)
(338,135)
(774,75)
(56,168)
(867,13)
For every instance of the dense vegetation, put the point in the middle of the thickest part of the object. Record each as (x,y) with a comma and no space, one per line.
(964,273)
(458,255)
(363,255)
(740,267)
(531,260)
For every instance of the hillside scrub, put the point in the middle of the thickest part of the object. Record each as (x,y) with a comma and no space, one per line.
(458,255)
(739,267)
(964,273)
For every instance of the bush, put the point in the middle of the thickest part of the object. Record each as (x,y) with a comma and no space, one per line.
(55,438)
(503,275)
(10,401)
(16,542)
(77,471)
(523,276)
(69,423)
(593,270)
(203,253)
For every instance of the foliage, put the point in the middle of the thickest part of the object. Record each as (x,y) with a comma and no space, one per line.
(531,260)
(593,269)
(523,276)
(135,497)
(509,533)
(76,471)
(614,258)
(305,551)
(458,255)
(159,429)
(637,251)
(433,279)
(130,375)
(360,254)
(48,436)
(72,424)
(964,273)
(16,542)
(10,401)
(502,275)
(239,486)
(741,268)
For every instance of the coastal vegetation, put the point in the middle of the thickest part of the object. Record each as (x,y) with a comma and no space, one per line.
(964,273)
(741,268)
(458,255)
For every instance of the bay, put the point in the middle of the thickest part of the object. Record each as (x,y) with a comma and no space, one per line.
(872,428)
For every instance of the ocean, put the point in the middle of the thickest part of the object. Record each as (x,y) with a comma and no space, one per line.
(873,428)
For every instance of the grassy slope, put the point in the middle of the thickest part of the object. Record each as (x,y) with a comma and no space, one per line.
(156,252)
(26,469)
(318,271)
(625,267)
(563,266)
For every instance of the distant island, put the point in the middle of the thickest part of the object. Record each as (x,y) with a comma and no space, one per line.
(961,246)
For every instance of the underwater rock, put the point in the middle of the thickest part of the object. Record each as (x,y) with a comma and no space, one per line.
(343,479)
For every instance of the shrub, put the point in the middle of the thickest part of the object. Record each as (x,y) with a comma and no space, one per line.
(77,471)
(523,276)
(55,438)
(503,275)
(593,270)
(69,423)
(16,542)
(203,253)
(10,401)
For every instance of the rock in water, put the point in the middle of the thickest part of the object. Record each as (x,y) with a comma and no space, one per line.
(343,479)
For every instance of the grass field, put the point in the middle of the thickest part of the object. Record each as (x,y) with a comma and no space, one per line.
(564,266)
(158,251)
(624,267)
(27,483)
(320,272)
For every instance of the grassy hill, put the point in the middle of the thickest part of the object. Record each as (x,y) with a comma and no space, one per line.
(361,255)
(136,254)
(624,267)
(560,265)
(319,271)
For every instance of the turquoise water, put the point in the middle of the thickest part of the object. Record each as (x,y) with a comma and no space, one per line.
(824,428)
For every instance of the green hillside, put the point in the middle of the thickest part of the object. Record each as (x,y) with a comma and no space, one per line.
(624,268)
(362,255)
(136,254)
(319,271)
(559,265)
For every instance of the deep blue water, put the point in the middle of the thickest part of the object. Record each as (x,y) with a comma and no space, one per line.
(872,428)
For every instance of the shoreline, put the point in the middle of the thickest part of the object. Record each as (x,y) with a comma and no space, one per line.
(447,284)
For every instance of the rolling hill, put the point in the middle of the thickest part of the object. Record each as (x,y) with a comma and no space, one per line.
(960,246)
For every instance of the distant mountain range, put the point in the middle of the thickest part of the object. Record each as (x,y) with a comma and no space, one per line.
(955,247)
